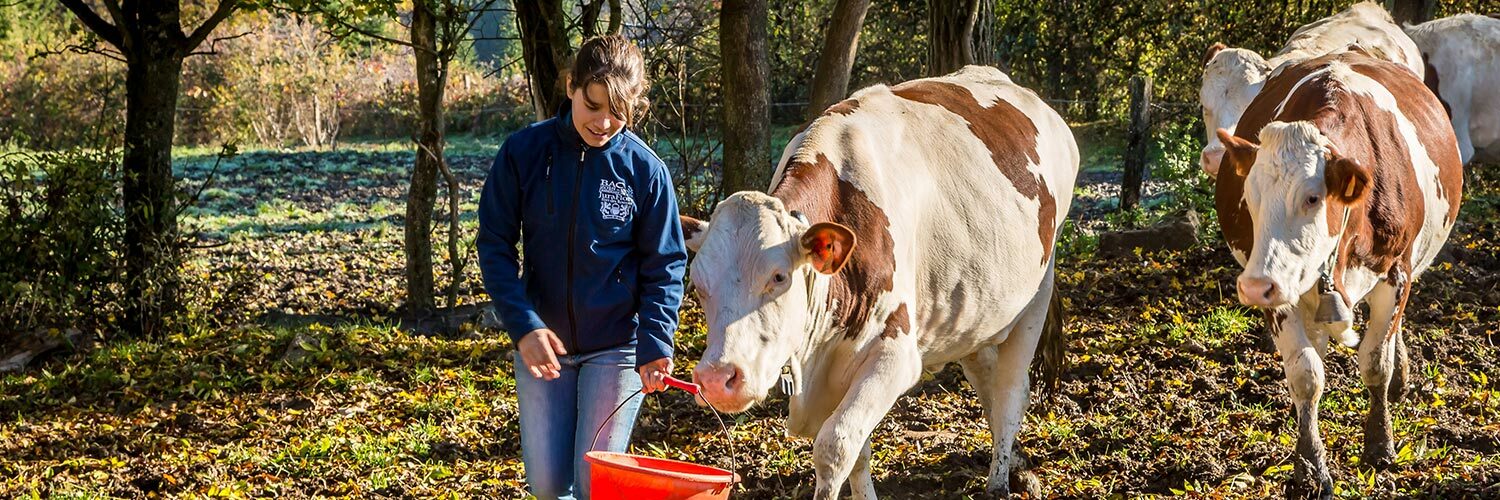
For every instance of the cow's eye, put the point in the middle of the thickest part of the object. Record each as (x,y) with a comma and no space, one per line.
(1313,200)
(779,278)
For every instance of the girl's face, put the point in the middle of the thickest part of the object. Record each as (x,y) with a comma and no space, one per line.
(596,121)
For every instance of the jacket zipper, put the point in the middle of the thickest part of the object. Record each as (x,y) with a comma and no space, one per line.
(572,242)
(551,207)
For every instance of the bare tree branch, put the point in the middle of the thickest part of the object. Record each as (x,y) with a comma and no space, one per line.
(500,69)
(118,16)
(91,20)
(616,17)
(456,261)
(351,28)
(479,9)
(225,8)
(81,49)
(213,44)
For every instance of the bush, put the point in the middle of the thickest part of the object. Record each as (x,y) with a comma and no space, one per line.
(60,227)
(288,82)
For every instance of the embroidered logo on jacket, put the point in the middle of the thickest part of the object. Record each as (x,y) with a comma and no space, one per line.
(616,200)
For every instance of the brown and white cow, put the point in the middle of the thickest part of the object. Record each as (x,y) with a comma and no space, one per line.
(1463,67)
(1233,76)
(1342,164)
(908,227)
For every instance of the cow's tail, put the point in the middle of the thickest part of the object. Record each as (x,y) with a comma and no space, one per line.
(1051,359)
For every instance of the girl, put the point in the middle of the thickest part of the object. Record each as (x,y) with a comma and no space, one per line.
(592,306)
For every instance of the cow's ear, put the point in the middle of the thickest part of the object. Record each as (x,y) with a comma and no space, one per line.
(1347,181)
(1238,152)
(828,246)
(1212,51)
(693,231)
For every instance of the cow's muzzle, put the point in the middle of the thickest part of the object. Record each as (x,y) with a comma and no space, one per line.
(1260,291)
(1210,159)
(723,384)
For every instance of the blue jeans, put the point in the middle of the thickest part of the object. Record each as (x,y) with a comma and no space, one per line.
(559,418)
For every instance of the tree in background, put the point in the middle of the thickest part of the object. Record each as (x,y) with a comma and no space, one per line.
(149,37)
(831,79)
(437,30)
(545,50)
(1412,11)
(745,71)
(959,32)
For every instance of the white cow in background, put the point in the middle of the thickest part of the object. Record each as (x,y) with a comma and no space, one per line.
(908,227)
(1233,76)
(1463,68)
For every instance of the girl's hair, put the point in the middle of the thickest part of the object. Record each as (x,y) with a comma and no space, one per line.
(615,62)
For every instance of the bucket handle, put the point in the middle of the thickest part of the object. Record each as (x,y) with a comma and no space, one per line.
(690,388)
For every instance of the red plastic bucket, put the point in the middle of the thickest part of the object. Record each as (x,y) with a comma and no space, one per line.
(622,476)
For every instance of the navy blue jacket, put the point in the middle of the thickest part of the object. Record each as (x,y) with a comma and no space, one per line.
(602,252)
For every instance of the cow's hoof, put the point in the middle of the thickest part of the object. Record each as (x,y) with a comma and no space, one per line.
(1383,458)
(1323,490)
(1310,482)
(1025,484)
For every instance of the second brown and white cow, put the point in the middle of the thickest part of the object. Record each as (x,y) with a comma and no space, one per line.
(907,228)
(1345,165)
(1233,76)
(1462,54)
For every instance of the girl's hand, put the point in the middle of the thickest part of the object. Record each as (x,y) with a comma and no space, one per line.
(654,375)
(539,352)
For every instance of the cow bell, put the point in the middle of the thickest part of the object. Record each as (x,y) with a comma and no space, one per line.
(1333,310)
(1331,307)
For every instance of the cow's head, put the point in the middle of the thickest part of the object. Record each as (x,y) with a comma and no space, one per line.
(1296,189)
(1231,78)
(755,274)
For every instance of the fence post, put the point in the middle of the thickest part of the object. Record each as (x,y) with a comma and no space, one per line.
(1140,135)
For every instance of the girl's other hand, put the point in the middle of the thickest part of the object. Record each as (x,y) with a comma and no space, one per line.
(654,375)
(539,352)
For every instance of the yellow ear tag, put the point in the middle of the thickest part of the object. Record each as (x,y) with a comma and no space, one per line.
(1349,191)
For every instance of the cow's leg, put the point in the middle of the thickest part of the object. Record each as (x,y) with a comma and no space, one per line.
(1377,358)
(1461,132)
(999,374)
(1302,360)
(1401,372)
(891,367)
(861,485)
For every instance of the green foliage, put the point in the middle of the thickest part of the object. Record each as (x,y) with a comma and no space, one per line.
(892,49)
(1187,186)
(1088,50)
(60,225)
(276,80)
(53,97)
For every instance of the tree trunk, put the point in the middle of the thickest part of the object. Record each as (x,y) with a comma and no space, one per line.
(544,48)
(1411,11)
(1137,145)
(747,131)
(840,43)
(151,39)
(152,80)
(950,34)
(431,77)
(984,40)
